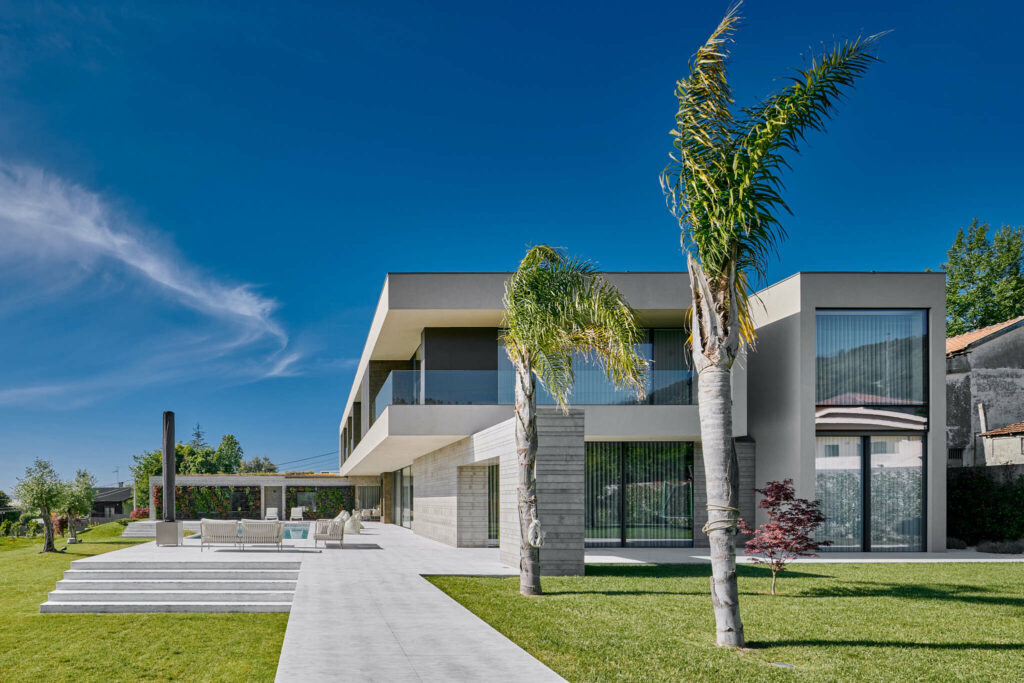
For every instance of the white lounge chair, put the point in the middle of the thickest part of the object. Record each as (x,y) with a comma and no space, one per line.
(256,532)
(272,515)
(296,515)
(328,530)
(217,532)
(353,525)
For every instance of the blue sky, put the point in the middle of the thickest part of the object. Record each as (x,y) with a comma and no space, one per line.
(199,201)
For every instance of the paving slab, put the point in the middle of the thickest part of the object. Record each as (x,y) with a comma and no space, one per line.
(365,613)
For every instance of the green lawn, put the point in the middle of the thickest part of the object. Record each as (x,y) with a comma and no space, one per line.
(833,622)
(119,647)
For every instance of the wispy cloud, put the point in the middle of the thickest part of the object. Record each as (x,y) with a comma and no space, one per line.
(51,226)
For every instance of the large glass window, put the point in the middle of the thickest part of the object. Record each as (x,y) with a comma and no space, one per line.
(670,382)
(897,506)
(839,485)
(639,493)
(407,497)
(493,502)
(871,357)
(878,478)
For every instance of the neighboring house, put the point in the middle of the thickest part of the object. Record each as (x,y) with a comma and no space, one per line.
(984,387)
(112,502)
(1004,446)
(843,395)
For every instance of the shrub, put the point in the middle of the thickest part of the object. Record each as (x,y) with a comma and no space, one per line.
(789,531)
(139,513)
(33,527)
(955,544)
(5,527)
(60,523)
(1002,547)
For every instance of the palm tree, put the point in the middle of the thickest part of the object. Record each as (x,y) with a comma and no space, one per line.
(723,184)
(556,309)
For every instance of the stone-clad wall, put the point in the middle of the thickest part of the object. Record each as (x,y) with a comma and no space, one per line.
(472,506)
(460,468)
(560,494)
(745,452)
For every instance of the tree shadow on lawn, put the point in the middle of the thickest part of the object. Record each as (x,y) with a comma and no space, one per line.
(901,644)
(663,571)
(914,591)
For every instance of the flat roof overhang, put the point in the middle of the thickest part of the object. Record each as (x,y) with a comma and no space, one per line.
(403,433)
(410,302)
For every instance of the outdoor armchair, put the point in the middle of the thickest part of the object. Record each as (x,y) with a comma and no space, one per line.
(296,515)
(272,515)
(327,530)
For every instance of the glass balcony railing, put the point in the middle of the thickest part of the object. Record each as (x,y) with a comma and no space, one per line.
(497,387)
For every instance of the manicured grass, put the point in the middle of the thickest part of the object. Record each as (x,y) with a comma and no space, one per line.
(119,647)
(834,622)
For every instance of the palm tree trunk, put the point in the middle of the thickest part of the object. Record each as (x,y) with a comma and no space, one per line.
(526,452)
(714,397)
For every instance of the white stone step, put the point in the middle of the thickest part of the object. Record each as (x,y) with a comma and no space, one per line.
(163,596)
(182,574)
(186,564)
(73,584)
(54,607)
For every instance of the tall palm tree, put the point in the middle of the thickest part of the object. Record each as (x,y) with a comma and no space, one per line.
(723,184)
(558,308)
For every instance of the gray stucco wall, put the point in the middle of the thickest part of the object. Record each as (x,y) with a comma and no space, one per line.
(991,374)
(782,374)
(1004,450)
(745,456)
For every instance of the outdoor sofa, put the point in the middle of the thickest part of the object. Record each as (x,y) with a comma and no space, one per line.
(239,534)
(217,532)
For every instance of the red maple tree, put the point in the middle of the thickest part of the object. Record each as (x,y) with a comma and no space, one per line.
(789,531)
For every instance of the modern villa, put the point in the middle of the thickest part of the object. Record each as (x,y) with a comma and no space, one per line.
(844,394)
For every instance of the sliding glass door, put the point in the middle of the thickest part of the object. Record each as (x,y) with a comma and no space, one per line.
(639,493)
(872,491)
(401,505)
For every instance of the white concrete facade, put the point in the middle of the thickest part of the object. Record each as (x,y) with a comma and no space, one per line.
(449,447)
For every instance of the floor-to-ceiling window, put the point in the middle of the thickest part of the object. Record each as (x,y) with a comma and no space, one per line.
(639,493)
(368,497)
(401,498)
(493,509)
(872,418)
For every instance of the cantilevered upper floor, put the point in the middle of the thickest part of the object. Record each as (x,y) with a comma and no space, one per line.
(433,371)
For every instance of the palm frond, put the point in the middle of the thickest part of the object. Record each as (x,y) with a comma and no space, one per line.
(723,181)
(558,308)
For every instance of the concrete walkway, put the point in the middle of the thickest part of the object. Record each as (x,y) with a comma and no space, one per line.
(365,613)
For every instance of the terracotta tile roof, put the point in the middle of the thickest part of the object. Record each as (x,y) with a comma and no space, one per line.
(962,341)
(1008,430)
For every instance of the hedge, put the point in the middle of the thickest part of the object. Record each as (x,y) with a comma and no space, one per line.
(985,503)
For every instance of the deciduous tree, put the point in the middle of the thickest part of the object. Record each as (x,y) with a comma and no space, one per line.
(984,277)
(43,490)
(789,531)
(79,495)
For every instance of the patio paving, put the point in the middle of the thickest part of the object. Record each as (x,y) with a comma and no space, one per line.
(365,613)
